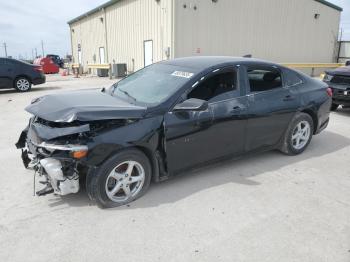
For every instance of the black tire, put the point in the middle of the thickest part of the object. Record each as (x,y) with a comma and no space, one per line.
(288,146)
(22,84)
(97,185)
(334,107)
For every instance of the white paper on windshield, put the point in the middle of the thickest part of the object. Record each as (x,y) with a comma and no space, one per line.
(182,74)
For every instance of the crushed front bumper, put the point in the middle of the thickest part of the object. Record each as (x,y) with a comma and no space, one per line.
(51,161)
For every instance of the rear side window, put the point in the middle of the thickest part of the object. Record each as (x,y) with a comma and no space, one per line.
(291,78)
(5,61)
(263,79)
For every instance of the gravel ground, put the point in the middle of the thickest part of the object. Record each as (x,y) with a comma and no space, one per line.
(267,207)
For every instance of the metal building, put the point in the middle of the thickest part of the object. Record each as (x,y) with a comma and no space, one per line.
(140,32)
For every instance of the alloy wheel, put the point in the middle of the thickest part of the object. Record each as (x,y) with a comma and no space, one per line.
(301,135)
(22,84)
(125,181)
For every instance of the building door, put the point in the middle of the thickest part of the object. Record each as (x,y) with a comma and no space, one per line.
(102,55)
(148,52)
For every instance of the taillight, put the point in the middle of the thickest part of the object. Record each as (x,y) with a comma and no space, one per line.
(38,69)
(329,92)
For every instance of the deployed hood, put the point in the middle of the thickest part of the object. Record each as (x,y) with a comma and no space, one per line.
(344,71)
(86,105)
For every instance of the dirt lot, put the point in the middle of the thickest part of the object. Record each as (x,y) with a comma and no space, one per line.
(268,207)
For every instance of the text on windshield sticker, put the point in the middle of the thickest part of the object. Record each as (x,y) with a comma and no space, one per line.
(182,74)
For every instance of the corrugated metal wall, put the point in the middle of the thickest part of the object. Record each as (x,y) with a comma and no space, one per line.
(130,23)
(89,33)
(277,30)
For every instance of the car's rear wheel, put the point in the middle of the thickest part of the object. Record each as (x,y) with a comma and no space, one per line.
(122,179)
(299,135)
(334,107)
(22,84)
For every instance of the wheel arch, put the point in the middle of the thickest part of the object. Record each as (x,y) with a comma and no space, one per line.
(151,156)
(313,115)
(22,75)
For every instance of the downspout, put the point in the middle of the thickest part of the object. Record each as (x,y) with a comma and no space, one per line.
(173,29)
(71,42)
(106,40)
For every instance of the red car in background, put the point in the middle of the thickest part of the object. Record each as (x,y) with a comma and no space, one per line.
(48,65)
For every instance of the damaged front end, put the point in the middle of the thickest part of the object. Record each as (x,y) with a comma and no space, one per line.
(54,153)
(57,151)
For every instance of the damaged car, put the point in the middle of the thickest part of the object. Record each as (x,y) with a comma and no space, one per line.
(169,117)
(339,80)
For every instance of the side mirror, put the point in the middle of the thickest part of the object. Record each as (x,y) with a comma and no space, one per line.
(347,63)
(192,104)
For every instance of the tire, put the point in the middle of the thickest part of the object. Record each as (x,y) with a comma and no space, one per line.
(300,130)
(334,107)
(110,182)
(22,84)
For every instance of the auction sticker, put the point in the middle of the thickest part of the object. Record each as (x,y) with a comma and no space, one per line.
(182,74)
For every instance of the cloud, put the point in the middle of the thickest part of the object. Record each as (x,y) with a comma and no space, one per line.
(345,17)
(25,23)
(6,26)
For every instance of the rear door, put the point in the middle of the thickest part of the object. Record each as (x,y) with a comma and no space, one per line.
(193,138)
(271,106)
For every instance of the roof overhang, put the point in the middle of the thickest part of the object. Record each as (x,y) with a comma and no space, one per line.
(338,8)
(112,2)
(93,11)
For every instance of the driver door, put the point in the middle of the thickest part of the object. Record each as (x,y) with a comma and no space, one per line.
(197,137)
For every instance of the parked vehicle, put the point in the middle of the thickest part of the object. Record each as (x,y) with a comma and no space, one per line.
(166,118)
(48,66)
(19,75)
(56,59)
(339,81)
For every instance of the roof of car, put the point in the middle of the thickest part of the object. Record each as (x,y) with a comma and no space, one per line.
(344,70)
(203,62)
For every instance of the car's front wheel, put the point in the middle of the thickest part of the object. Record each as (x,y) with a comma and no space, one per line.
(122,179)
(299,134)
(22,84)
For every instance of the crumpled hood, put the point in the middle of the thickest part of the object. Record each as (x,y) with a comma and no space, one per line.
(87,105)
(344,71)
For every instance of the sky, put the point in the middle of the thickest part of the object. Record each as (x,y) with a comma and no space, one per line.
(24,24)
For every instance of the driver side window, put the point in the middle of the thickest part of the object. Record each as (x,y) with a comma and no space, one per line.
(216,87)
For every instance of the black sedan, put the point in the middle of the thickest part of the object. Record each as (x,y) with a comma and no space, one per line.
(19,75)
(166,118)
(339,81)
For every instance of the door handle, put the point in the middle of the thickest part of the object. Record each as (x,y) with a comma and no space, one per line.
(288,98)
(236,109)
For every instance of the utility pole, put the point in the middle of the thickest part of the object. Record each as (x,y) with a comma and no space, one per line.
(42,47)
(5,47)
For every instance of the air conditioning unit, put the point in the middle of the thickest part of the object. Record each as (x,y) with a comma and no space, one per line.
(120,70)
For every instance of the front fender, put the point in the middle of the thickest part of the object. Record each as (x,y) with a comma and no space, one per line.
(144,133)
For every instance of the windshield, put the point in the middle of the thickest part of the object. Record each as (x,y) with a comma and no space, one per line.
(152,85)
